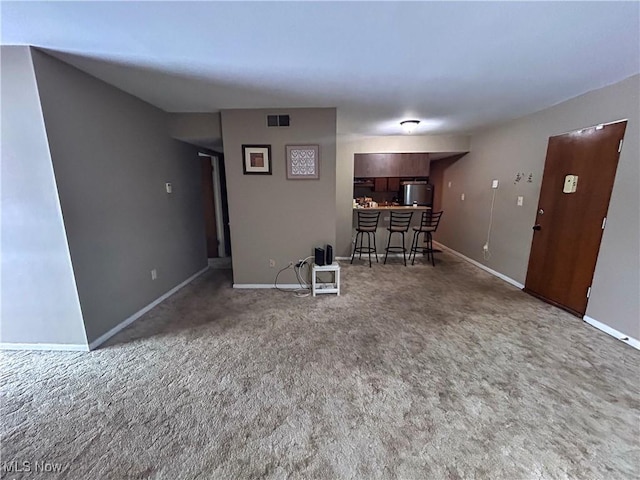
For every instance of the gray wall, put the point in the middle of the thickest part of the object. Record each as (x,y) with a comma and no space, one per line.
(520,146)
(202,129)
(39,299)
(348,145)
(112,156)
(270,216)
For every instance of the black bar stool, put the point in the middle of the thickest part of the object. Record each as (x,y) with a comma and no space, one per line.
(428,225)
(367,223)
(398,223)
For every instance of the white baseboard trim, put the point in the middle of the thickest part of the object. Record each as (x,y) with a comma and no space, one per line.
(613,332)
(480,265)
(343,258)
(635,343)
(265,285)
(106,336)
(61,347)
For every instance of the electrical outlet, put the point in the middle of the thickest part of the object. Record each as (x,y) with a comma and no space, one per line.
(449,184)
(520,200)
(154,274)
(485,247)
(272,263)
(494,184)
(462,196)
(168,187)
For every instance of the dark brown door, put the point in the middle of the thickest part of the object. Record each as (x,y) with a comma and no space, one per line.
(209,207)
(569,226)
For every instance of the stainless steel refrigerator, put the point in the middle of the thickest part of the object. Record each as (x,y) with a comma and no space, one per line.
(419,192)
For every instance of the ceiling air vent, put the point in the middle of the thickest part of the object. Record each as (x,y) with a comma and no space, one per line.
(277,120)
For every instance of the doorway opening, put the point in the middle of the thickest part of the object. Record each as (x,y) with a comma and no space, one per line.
(216,208)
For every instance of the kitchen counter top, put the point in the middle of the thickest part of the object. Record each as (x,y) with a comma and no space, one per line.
(396,207)
(381,234)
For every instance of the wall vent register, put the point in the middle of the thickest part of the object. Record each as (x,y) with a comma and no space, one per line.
(278,121)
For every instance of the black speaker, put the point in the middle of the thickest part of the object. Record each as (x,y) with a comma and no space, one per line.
(329,254)
(319,256)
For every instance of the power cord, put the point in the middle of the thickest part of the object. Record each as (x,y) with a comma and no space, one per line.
(486,253)
(275,282)
(305,288)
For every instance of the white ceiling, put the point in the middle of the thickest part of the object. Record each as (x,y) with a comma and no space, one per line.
(456,66)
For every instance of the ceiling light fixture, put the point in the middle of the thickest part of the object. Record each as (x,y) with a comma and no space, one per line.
(409,125)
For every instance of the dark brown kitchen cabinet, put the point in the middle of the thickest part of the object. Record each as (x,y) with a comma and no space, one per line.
(375,165)
(380,184)
(367,165)
(393,184)
(414,165)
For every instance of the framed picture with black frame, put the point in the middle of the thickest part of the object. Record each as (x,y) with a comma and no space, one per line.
(256,159)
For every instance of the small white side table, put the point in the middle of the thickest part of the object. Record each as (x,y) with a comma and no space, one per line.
(325,287)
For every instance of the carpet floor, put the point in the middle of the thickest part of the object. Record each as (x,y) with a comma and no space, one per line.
(412,373)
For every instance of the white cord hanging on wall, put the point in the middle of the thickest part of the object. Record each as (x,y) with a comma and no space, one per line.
(486,253)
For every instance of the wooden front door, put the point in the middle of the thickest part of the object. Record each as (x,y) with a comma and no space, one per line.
(569,226)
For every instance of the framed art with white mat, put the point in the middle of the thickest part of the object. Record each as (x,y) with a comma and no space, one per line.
(303,162)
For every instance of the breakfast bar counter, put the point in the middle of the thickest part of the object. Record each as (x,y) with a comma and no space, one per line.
(391,207)
(383,223)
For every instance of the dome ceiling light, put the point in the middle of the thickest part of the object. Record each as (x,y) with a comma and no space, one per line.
(409,125)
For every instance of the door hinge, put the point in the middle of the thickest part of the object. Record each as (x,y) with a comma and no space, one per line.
(588,292)
(620,145)
(604,222)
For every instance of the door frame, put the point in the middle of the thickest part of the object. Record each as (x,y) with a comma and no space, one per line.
(217,201)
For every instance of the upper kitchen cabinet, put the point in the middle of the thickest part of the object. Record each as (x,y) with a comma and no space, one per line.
(375,165)
(390,165)
(414,164)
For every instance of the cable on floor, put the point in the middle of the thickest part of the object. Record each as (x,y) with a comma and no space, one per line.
(305,288)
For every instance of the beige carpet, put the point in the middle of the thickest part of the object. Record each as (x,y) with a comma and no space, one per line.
(413,373)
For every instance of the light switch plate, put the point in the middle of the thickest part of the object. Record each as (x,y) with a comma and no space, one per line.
(494,184)
(520,200)
(462,196)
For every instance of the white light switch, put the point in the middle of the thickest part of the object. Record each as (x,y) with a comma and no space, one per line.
(168,187)
(520,200)
(449,184)
(462,197)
